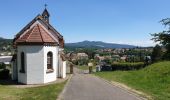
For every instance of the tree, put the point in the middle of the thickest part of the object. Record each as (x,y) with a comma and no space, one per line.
(156,54)
(90,52)
(164,37)
(82,61)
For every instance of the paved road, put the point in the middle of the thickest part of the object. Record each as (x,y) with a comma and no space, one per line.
(87,87)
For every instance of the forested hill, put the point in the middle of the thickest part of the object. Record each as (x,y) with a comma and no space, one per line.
(84,44)
(97,44)
(5,44)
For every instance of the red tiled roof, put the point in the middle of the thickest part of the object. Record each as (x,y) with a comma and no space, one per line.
(36,35)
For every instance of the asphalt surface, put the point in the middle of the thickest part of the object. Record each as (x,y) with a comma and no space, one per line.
(83,86)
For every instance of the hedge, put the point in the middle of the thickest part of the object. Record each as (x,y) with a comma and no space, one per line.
(106,68)
(2,66)
(127,66)
(4,74)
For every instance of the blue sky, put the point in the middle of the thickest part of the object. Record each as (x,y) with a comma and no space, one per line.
(114,21)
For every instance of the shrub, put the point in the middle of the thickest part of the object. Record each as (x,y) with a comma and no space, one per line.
(2,66)
(127,66)
(4,74)
(106,68)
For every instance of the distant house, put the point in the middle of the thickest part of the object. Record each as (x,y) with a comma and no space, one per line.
(117,51)
(101,58)
(5,59)
(123,58)
(39,56)
(82,56)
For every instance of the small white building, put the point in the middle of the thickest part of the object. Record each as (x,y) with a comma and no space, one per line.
(39,56)
(5,59)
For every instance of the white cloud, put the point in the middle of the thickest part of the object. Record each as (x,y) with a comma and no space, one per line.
(137,43)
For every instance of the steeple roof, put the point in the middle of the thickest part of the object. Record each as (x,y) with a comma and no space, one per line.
(45,13)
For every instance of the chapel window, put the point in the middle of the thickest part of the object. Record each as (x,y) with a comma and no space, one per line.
(49,60)
(22,70)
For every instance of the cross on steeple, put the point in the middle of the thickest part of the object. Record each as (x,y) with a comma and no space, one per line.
(45,6)
(46,14)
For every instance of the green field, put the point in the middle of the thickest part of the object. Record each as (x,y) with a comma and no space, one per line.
(153,80)
(48,92)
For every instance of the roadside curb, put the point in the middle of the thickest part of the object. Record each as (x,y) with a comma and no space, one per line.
(141,95)
(60,97)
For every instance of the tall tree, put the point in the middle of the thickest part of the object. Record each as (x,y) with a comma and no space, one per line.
(164,37)
(90,52)
(156,54)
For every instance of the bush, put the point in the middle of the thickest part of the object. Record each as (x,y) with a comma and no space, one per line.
(2,66)
(127,66)
(4,74)
(106,68)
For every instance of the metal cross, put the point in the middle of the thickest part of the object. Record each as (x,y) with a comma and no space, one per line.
(45,5)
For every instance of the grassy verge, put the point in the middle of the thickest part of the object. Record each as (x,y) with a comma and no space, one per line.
(153,80)
(48,92)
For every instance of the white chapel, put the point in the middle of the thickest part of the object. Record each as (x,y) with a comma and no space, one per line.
(39,56)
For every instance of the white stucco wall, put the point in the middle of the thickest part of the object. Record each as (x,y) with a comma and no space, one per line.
(63,69)
(14,70)
(59,67)
(49,77)
(22,78)
(34,65)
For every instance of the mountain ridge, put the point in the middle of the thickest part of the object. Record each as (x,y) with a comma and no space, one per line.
(98,44)
(83,44)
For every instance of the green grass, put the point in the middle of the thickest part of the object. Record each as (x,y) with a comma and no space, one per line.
(153,80)
(48,92)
